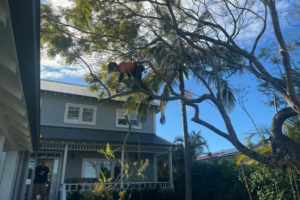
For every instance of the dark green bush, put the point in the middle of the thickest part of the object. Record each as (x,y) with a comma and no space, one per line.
(222,180)
(149,194)
(270,183)
(145,194)
(90,195)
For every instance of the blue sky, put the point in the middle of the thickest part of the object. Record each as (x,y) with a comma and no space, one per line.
(54,70)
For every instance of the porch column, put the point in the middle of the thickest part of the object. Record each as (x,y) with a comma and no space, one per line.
(8,176)
(64,165)
(122,169)
(2,140)
(2,155)
(155,167)
(170,169)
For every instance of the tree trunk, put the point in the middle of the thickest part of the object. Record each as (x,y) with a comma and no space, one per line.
(186,149)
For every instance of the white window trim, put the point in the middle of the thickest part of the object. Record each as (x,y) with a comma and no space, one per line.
(125,126)
(66,120)
(113,163)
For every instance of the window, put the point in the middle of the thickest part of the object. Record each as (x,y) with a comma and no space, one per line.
(80,114)
(121,121)
(92,168)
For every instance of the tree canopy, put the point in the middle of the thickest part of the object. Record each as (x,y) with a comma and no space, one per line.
(201,35)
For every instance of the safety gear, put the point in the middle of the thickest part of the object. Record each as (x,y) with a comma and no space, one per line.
(111,66)
(126,67)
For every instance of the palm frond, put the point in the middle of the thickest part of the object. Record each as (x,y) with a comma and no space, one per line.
(228,98)
(262,132)
(142,110)
(292,129)
(166,92)
(265,150)
(178,139)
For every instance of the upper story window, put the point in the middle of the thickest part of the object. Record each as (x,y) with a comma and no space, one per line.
(121,121)
(80,114)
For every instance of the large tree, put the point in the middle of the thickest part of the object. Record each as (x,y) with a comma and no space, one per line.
(128,29)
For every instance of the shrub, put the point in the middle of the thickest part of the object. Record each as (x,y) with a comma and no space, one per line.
(270,183)
(149,194)
(90,195)
(222,180)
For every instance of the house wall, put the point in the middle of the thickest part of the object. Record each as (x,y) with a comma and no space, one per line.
(53,110)
(74,166)
(21,175)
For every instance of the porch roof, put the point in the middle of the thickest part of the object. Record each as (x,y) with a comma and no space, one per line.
(101,136)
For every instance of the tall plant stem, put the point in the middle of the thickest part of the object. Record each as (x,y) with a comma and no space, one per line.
(292,183)
(296,185)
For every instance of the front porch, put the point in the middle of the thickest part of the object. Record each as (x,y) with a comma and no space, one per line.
(82,164)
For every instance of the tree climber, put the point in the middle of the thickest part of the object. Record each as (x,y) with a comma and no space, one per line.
(129,68)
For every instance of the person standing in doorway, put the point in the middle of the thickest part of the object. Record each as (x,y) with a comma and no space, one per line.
(40,181)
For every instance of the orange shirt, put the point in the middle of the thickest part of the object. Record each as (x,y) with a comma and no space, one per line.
(126,67)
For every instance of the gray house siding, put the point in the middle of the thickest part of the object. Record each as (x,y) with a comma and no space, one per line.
(53,110)
(74,166)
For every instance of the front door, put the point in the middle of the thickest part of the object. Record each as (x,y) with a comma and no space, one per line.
(53,161)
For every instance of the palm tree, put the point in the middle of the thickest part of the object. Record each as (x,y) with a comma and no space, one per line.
(174,69)
(196,142)
(197,145)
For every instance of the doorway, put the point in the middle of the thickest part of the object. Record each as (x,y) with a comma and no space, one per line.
(53,162)
(49,164)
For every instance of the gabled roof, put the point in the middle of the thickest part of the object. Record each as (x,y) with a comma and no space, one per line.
(68,88)
(101,136)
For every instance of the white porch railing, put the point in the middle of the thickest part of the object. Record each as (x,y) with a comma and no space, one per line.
(72,187)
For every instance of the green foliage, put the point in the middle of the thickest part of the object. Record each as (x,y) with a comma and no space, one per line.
(221,180)
(149,194)
(90,195)
(228,98)
(271,55)
(269,183)
(265,150)
(292,129)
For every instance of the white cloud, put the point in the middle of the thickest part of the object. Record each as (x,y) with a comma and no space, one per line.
(57,69)
(58,3)
(48,74)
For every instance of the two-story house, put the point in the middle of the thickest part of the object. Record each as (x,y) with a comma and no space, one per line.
(74,125)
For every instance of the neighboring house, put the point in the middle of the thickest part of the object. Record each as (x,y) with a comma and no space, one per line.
(74,125)
(226,154)
(19,90)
